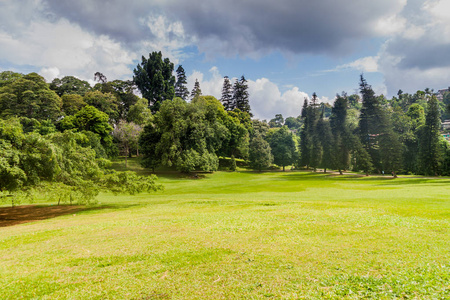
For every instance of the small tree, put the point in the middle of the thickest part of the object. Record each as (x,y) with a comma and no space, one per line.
(283,147)
(196,91)
(260,155)
(181,90)
(128,135)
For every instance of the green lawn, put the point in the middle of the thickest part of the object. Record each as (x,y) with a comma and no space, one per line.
(245,235)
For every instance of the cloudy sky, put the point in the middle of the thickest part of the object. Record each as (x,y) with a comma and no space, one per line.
(287,49)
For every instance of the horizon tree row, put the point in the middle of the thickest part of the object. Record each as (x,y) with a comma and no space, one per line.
(385,138)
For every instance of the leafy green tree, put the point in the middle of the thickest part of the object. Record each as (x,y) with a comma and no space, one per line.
(140,113)
(90,119)
(181,91)
(185,135)
(260,156)
(227,95)
(123,90)
(259,127)
(236,142)
(106,103)
(128,135)
(243,117)
(283,146)
(29,96)
(7,77)
(277,122)
(293,123)
(355,101)
(129,183)
(12,177)
(241,95)
(70,85)
(154,78)
(72,103)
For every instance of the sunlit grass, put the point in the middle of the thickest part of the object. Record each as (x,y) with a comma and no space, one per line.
(241,235)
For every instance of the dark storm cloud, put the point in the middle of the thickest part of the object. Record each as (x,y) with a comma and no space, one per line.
(238,27)
(121,20)
(420,55)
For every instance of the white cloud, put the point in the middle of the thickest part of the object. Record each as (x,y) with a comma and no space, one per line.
(211,86)
(366,64)
(49,73)
(67,48)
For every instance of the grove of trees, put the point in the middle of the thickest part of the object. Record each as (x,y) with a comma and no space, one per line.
(61,135)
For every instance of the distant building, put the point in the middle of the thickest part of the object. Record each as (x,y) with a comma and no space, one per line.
(440,94)
(446,125)
(446,136)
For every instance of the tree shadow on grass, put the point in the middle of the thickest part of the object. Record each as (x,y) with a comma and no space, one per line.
(10,216)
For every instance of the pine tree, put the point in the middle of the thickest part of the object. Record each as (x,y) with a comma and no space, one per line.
(315,147)
(304,137)
(196,91)
(371,119)
(326,141)
(227,95)
(181,90)
(154,79)
(341,134)
(241,96)
(430,153)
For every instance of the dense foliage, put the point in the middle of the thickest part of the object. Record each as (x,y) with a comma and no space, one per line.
(63,132)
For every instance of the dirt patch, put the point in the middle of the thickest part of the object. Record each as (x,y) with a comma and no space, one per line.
(10,216)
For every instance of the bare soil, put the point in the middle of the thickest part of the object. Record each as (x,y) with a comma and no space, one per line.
(10,216)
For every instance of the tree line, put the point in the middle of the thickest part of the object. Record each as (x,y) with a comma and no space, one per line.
(173,128)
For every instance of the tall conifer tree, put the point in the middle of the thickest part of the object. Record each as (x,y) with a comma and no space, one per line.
(227,95)
(341,134)
(241,96)
(196,91)
(430,153)
(181,90)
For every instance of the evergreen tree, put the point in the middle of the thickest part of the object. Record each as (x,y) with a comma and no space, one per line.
(371,119)
(153,77)
(341,134)
(227,95)
(315,146)
(181,90)
(326,141)
(241,96)
(304,137)
(430,155)
(415,119)
(196,91)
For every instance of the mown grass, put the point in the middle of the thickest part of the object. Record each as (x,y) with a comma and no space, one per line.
(244,235)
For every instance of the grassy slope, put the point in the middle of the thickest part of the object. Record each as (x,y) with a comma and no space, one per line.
(241,235)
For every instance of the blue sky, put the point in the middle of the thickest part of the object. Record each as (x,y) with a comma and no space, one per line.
(287,49)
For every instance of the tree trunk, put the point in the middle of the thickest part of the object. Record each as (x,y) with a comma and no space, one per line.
(340,172)
(324,170)
(283,168)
